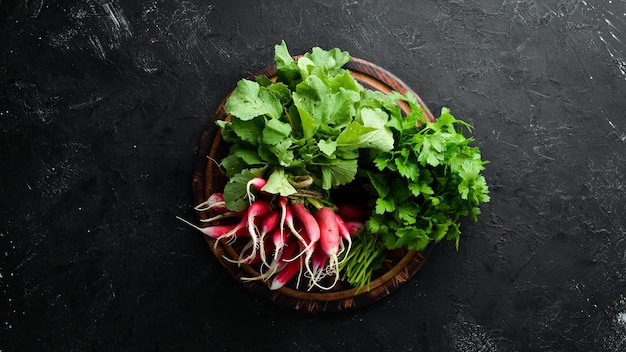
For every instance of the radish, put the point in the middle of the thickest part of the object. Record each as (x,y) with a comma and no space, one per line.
(354,227)
(344,233)
(241,225)
(287,252)
(269,223)
(310,228)
(218,231)
(308,221)
(279,239)
(290,270)
(318,263)
(257,183)
(349,211)
(252,260)
(215,202)
(329,241)
(289,222)
(282,203)
(257,209)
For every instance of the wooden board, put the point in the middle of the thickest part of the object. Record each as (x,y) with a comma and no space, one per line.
(400,266)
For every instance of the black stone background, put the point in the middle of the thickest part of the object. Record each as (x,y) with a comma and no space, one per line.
(102,106)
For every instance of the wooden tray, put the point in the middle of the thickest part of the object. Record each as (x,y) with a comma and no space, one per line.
(400,266)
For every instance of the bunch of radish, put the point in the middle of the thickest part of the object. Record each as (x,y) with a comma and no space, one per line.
(283,238)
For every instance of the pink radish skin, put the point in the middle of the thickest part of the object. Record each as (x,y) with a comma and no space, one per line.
(286,274)
(279,238)
(349,211)
(242,224)
(318,262)
(269,223)
(344,233)
(257,183)
(218,231)
(257,209)
(289,222)
(354,227)
(266,245)
(282,203)
(308,221)
(289,250)
(329,240)
(214,202)
(310,227)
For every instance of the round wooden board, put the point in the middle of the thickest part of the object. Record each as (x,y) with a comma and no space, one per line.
(400,265)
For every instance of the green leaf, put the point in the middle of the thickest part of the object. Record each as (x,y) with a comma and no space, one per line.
(239,159)
(228,135)
(420,188)
(408,212)
(281,91)
(277,183)
(284,155)
(250,100)
(275,131)
(344,81)
(408,168)
(380,183)
(327,147)
(412,238)
(282,56)
(250,131)
(235,191)
(338,173)
(384,205)
(430,152)
(351,135)
(328,60)
(287,70)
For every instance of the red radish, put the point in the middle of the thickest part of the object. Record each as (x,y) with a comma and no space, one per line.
(289,222)
(286,274)
(257,209)
(242,224)
(257,183)
(318,262)
(308,221)
(269,247)
(279,239)
(310,228)
(354,227)
(344,233)
(288,251)
(215,202)
(218,231)
(269,223)
(282,203)
(349,211)
(329,240)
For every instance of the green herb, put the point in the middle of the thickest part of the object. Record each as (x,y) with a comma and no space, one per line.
(427,183)
(366,256)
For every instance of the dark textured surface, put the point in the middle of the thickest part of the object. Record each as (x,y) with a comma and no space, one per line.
(102,106)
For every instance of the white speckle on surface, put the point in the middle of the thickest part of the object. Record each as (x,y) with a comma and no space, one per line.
(611,123)
(621,319)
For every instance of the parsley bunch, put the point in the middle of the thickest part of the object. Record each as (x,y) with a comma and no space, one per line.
(428,181)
